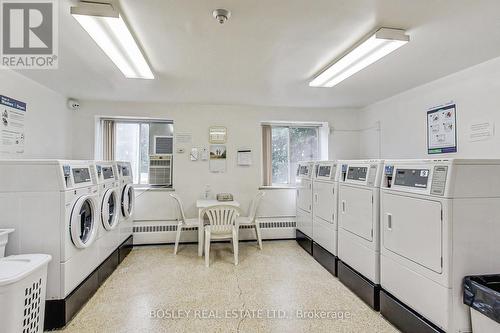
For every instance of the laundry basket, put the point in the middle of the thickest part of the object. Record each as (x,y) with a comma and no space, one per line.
(23,280)
(4,238)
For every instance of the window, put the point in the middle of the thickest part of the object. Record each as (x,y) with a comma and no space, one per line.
(148,145)
(284,146)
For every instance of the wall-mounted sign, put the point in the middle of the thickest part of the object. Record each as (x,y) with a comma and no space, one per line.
(218,155)
(12,133)
(183,138)
(481,130)
(217,134)
(244,157)
(442,130)
(194,155)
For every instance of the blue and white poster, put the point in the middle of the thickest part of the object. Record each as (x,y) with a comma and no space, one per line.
(442,130)
(12,133)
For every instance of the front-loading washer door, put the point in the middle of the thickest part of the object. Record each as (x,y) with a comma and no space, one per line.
(356,211)
(109,210)
(128,200)
(413,228)
(83,228)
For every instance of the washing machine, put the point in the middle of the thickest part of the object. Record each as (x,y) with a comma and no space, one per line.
(108,236)
(53,207)
(358,235)
(126,200)
(325,198)
(303,181)
(439,222)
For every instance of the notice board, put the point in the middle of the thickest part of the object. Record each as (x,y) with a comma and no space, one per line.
(442,130)
(12,133)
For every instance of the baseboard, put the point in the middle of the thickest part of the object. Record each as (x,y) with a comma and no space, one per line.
(304,241)
(164,232)
(360,285)
(403,317)
(59,312)
(325,258)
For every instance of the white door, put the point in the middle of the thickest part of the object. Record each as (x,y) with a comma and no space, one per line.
(109,210)
(356,211)
(83,226)
(128,200)
(412,228)
(304,195)
(324,201)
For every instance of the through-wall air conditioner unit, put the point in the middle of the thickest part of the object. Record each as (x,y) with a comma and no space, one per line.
(163,145)
(160,169)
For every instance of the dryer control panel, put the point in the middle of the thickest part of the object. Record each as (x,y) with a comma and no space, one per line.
(412,177)
(304,169)
(363,172)
(416,178)
(326,171)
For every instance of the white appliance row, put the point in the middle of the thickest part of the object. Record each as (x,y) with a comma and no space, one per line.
(410,230)
(79,212)
(304,177)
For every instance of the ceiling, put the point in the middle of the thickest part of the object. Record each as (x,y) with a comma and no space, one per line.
(268,51)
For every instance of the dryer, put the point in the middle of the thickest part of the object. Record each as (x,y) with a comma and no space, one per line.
(439,222)
(358,236)
(127,200)
(108,237)
(53,207)
(304,232)
(325,198)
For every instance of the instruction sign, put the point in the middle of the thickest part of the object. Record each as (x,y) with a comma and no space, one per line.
(12,133)
(442,130)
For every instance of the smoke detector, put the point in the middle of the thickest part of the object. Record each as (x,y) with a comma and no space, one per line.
(221,15)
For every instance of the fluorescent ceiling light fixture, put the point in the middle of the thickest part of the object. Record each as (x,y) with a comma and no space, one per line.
(108,29)
(375,47)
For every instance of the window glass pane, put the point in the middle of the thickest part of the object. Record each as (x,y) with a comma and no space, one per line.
(127,145)
(135,142)
(280,155)
(159,129)
(144,154)
(303,146)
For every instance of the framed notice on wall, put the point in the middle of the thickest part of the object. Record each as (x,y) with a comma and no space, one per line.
(12,131)
(442,130)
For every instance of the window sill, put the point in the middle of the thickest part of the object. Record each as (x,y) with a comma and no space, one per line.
(155,189)
(277,187)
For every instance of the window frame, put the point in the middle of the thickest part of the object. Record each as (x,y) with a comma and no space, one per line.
(98,145)
(322,132)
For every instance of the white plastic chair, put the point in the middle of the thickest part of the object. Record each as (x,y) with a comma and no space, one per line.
(222,225)
(183,222)
(251,219)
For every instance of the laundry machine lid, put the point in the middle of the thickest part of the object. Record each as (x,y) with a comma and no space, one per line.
(83,227)
(109,209)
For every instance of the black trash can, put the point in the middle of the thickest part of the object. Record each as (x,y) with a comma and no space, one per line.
(482,294)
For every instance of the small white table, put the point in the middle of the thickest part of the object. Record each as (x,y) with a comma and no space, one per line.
(202,204)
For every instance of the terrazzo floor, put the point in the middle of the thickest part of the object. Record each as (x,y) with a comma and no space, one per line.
(278,289)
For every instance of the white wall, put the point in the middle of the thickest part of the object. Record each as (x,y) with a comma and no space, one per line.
(48,120)
(243,124)
(403,117)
